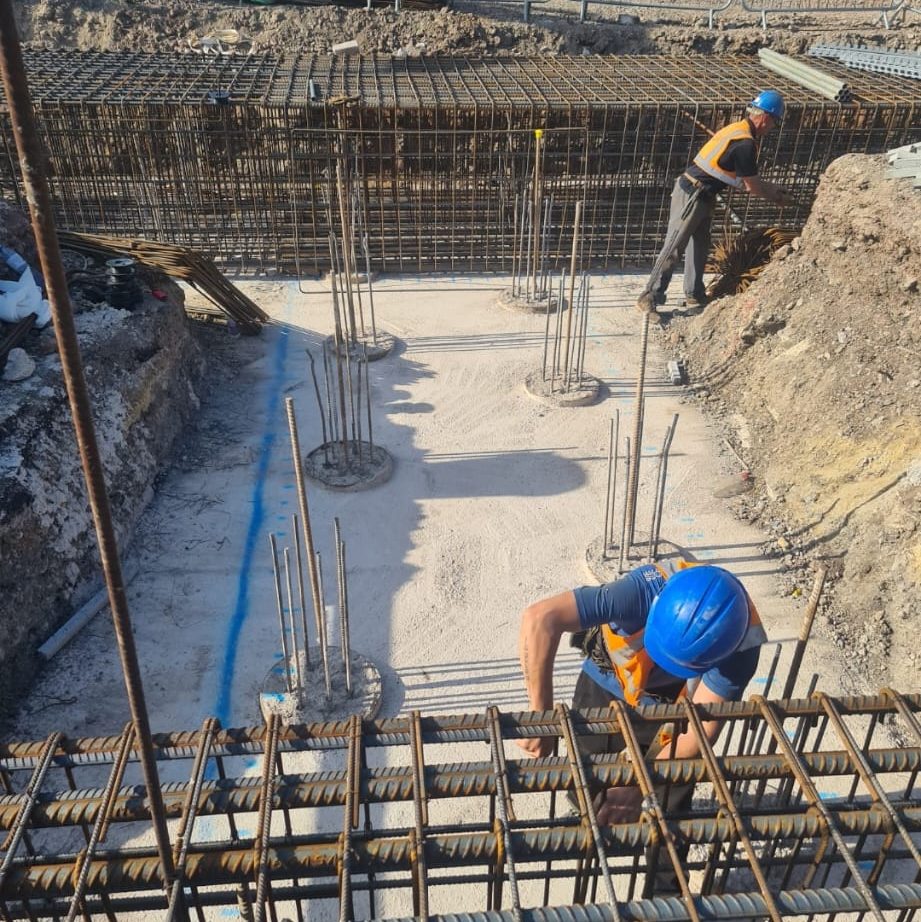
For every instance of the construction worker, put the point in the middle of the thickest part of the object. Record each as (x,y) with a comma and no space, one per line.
(659,632)
(728,159)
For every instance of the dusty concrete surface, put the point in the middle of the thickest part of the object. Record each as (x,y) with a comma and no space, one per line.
(472,27)
(816,373)
(492,504)
(142,367)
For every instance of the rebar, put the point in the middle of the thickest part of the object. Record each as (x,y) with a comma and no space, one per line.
(658,496)
(573,265)
(32,158)
(614,135)
(292,626)
(344,638)
(280,606)
(308,536)
(639,409)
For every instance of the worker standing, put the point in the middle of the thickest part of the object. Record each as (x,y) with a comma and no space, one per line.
(658,633)
(728,159)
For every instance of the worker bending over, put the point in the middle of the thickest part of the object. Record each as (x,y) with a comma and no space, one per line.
(654,635)
(728,160)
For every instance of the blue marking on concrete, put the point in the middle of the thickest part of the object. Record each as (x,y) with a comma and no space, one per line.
(686,519)
(829,795)
(251,763)
(230,912)
(760,680)
(272,417)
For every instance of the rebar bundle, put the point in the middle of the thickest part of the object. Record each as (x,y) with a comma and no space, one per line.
(810,808)
(437,150)
(178,263)
(738,261)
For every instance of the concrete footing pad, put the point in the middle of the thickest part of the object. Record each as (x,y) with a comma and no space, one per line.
(312,705)
(586,392)
(377,346)
(366,465)
(535,305)
(604,562)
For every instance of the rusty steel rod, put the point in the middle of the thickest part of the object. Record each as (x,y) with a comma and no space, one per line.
(308,536)
(805,631)
(449,728)
(32,161)
(280,606)
(639,409)
(474,779)
(576,231)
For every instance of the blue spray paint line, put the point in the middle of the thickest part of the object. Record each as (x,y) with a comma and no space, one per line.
(256,521)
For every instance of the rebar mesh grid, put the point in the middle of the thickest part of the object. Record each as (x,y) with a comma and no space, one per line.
(803,806)
(440,148)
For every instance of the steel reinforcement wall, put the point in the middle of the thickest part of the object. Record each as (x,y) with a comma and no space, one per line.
(238,156)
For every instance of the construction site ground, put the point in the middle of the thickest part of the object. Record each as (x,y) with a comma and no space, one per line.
(493,501)
(492,504)
(472,27)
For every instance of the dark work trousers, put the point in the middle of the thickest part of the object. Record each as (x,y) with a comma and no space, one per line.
(689,233)
(589,694)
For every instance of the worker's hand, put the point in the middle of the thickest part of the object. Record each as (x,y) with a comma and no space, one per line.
(537,746)
(620,805)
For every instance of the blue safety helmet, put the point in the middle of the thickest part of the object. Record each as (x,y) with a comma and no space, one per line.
(698,619)
(769,101)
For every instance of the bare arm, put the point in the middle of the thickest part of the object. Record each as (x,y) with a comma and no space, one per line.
(622,804)
(770,191)
(542,626)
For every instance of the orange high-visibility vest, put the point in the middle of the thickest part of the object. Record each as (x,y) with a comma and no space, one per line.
(709,156)
(633,665)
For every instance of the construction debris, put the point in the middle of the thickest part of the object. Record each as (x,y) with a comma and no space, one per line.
(18,366)
(905,163)
(179,263)
(14,336)
(879,61)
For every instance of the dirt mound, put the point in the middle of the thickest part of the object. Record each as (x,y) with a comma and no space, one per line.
(816,369)
(148,25)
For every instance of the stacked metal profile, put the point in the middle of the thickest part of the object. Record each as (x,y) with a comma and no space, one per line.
(811,806)
(806,76)
(442,147)
(899,63)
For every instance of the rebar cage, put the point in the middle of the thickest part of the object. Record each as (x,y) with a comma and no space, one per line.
(803,807)
(237,157)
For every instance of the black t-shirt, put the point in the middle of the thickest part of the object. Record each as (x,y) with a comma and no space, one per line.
(741,158)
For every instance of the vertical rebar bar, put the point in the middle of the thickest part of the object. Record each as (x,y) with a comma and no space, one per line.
(367,252)
(368,404)
(515,258)
(805,631)
(658,496)
(623,528)
(638,409)
(301,593)
(583,341)
(32,160)
(298,678)
(281,612)
(576,229)
(607,492)
(320,410)
(545,245)
(344,638)
(322,623)
(526,242)
(308,532)
(543,365)
(536,267)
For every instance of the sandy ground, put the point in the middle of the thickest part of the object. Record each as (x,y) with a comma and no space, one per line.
(493,502)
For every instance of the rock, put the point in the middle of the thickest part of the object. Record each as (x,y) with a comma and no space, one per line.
(18,366)
(628,19)
(782,252)
(909,285)
(839,245)
(795,243)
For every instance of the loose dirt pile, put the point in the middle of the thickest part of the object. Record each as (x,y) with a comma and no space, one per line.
(146,25)
(816,372)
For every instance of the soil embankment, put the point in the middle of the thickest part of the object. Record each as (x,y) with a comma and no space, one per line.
(816,370)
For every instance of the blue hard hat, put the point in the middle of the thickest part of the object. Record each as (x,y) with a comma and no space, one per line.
(769,101)
(698,619)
